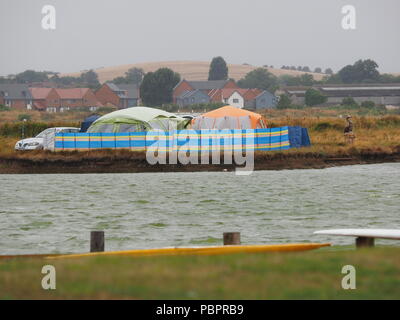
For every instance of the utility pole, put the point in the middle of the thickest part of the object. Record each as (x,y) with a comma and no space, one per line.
(23,128)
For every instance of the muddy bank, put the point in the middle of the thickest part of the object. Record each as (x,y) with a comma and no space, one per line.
(131,162)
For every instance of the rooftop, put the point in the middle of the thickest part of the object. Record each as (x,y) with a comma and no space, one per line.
(362,90)
(74,93)
(247,94)
(358,88)
(130,91)
(40,93)
(15,91)
(207,85)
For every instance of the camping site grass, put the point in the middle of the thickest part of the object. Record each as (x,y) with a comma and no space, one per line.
(379,134)
(301,275)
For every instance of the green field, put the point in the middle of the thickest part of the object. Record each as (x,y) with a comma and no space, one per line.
(305,275)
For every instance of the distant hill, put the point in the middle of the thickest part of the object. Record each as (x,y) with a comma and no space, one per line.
(189,70)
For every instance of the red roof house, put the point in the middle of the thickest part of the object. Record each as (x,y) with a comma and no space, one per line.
(45,99)
(77,97)
(204,86)
(53,100)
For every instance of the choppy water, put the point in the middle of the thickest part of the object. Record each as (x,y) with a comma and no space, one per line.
(55,213)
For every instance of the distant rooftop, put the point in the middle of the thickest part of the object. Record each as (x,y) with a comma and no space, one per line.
(356,90)
(74,93)
(40,93)
(359,88)
(130,91)
(15,91)
(208,85)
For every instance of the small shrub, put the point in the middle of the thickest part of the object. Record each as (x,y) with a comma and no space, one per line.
(368,104)
(4,108)
(24,116)
(314,97)
(48,116)
(103,110)
(284,102)
(322,126)
(349,101)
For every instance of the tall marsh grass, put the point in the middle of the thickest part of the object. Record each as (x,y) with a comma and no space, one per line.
(30,128)
(376,134)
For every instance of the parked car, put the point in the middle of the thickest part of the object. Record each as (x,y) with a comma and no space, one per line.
(36,143)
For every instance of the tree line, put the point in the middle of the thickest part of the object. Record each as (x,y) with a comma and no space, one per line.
(156,88)
(328,71)
(87,79)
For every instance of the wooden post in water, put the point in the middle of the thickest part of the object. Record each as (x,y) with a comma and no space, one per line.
(231,238)
(96,241)
(365,242)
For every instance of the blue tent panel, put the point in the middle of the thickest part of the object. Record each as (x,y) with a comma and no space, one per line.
(295,137)
(305,138)
(88,122)
(299,137)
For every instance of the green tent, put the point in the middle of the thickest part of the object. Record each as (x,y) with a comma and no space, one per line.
(138,119)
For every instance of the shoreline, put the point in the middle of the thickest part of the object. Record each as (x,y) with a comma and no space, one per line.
(135,162)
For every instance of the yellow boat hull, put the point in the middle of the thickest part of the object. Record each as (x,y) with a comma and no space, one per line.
(215,250)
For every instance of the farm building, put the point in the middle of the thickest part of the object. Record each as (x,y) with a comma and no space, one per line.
(385,94)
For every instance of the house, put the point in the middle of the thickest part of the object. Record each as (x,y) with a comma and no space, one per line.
(245,98)
(120,95)
(45,99)
(264,100)
(233,97)
(15,96)
(385,94)
(188,93)
(59,100)
(77,97)
(192,97)
(204,86)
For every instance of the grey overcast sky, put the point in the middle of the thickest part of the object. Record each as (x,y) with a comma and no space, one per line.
(98,33)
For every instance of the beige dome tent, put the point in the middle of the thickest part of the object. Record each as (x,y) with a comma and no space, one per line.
(138,119)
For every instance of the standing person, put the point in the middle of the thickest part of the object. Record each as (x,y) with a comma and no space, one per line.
(349,135)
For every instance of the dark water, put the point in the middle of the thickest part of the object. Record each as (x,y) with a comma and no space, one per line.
(55,213)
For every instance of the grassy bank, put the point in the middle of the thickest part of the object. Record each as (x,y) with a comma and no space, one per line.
(135,162)
(377,140)
(307,275)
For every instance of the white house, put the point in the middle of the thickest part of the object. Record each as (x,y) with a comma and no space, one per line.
(245,98)
(235,100)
